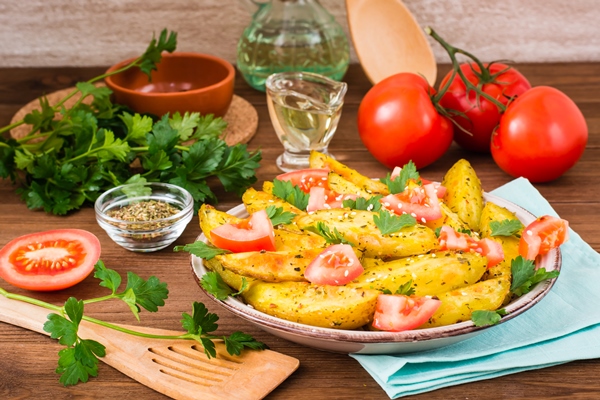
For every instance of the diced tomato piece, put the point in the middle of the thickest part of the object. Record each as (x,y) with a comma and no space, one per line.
(252,234)
(492,250)
(398,313)
(440,190)
(421,202)
(321,198)
(306,178)
(451,240)
(336,265)
(50,260)
(542,235)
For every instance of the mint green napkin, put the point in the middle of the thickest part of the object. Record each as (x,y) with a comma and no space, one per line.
(561,328)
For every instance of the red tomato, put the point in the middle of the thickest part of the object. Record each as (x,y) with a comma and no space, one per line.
(440,190)
(252,234)
(336,265)
(50,260)
(541,135)
(306,178)
(451,240)
(421,202)
(398,313)
(397,122)
(542,235)
(481,115)
(321,198)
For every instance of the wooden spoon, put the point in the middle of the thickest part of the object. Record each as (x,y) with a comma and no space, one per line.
(176,368)
(388,40)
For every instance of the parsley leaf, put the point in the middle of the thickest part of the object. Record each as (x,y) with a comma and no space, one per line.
(278,216)
(390,223)
(406,289)
(109,278)
(209,127)
(214,284)
(237,341)
(201,249)
(506,227)
(184,125)
(150,293)
(291,193)
(201,322)
(486,317)
(524,275)
(334,237)
(370,204)
(398,184)
(167,41)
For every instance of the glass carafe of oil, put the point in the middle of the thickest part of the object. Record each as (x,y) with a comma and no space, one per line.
(291,35)
(305,109)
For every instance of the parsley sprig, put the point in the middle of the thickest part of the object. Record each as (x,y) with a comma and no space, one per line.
(201,249)
(215,285)
(291,193)
(487,317)
(390,223)
(278,216)
(406,289)
(78,361)
(398,184)
(505,227)
(91,148)
(370,204)
(334,237)
(524,275)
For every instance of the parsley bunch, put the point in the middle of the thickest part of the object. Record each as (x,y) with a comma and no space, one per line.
(92,148)
(79,359)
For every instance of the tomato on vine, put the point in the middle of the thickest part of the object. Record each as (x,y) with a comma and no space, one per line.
(477,116)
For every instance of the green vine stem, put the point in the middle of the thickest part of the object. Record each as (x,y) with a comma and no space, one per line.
(485,74)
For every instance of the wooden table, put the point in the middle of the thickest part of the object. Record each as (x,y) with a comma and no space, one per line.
(28,360)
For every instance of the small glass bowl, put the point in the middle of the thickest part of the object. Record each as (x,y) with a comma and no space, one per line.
(144,236)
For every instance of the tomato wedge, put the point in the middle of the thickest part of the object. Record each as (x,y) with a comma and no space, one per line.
(321,198)
(420,201)
(50,260)
(451,240)
(396,313)
(542,235)
(306,178)
(336,265)
(255,233)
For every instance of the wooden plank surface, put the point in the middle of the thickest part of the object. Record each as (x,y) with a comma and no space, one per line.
(28,360)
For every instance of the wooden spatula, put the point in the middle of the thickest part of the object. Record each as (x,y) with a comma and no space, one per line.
(176,368)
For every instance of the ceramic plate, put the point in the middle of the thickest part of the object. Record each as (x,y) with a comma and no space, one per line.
(372,342)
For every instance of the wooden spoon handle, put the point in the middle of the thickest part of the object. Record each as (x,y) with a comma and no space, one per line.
(25,315)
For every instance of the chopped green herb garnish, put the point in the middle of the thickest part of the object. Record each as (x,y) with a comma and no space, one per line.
(486,317)
(524,275)
(201,249)
(506,227)
(390,223)
(291,193)
(398,184)
(278,216)
(370,204)
(334,237)
(215,285)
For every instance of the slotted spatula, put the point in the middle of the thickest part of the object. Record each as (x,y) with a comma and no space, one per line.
(176,368)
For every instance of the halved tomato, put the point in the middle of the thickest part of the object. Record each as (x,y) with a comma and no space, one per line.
(542,235)
(419,201)
(336,265)
(255,233)
(50,260)
(396,313)
(451,240)
(306,178)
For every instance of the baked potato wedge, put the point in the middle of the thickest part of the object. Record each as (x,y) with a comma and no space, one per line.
(341,185)
(431,274)
(458,305)
(326,306)
(464,195)
(320,160)
(270,266)
(232,279)
(256,200)
(357,227)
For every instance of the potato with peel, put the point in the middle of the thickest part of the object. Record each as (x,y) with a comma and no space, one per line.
(431,274)
(256,200)
(232,279)
(326,306)
(320,160)
(358,227)
(270,266)
(458,305)
(343,186)
(464,195)
(449,218)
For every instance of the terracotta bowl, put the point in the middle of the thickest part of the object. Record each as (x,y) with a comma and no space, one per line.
(183,82)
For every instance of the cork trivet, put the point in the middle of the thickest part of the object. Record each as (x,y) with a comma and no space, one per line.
(241,118)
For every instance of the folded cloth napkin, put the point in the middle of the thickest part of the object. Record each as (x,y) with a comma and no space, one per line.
(559,329)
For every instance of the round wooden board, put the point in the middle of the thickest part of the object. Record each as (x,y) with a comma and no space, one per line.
(241,118)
